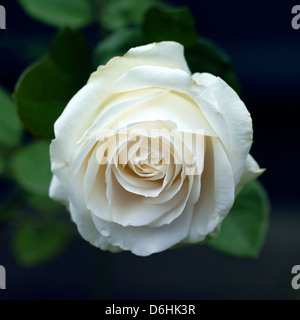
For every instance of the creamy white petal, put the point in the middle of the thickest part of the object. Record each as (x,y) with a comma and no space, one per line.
(95,188)
(144,241)
(129,209)
(217,192)
(78,115)
(251,172)
(113,112)
(57,191)
(173,106)
(136,185)
(222,110)
(167,54)
(132,182)
(88,230)
(237,118)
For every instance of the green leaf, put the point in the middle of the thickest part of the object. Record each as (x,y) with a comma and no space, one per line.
(31,168)
(10,126)
(162,24)
(2,164)
(44,204)
(206,56)
(243,231)
(37,241)
(41,94)
(60,13)
(117,14)
(70,52)
(117,44)
(45,88)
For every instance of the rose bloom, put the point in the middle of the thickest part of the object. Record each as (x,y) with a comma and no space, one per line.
(147,206)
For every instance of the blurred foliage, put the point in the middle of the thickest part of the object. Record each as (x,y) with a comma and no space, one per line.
(36,241)
(42,228)
(9,193)
(60,13)
(10,126)
(42,203)
(71,53)
(176,24)
(117,14)
(41,95)
(244,229)
(205,56)
(116,44)
(2,164)
(45,88)
(31,168)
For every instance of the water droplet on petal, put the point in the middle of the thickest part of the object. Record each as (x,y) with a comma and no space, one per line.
(105,232)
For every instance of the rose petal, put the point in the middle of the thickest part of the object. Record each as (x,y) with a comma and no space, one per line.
(237,118)
(173,106)
(129,209)
(144,241)
(95,188)
(57,191)
(217,193)
(167,54)
(88,230)
(251,172)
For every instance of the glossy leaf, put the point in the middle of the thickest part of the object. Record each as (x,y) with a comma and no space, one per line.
(243,231)
(31,168)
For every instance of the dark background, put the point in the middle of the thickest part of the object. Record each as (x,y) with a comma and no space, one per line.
(265,50)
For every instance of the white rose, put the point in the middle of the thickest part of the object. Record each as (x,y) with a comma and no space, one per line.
(140,206)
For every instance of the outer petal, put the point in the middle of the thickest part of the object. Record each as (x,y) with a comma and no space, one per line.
(144,241)
(88,231)
(251,172)
(217,192)
(57,191)
(185,107)
(237,118)
(71,125)
(166,54)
